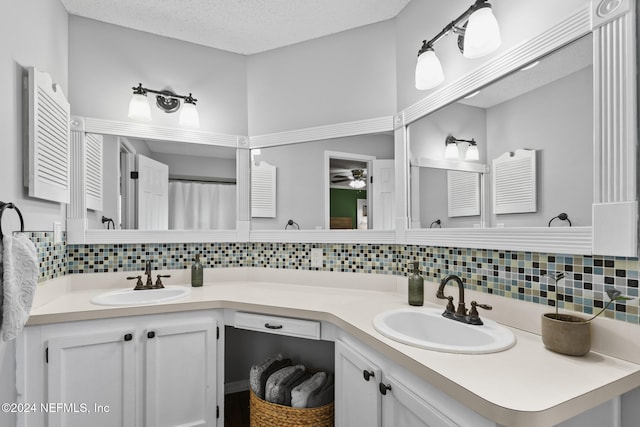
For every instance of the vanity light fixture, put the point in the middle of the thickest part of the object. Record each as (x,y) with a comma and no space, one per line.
(451,150)
(167,101)
(479,36)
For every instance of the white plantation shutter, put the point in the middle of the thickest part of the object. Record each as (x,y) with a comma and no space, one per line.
(514,182)
(263,190)
(463,189)
(93,171)
(48,171)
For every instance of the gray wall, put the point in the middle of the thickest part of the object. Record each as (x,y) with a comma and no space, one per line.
(106,60)
(555,119)
(339,78)
(33,33)
(427,139)
(434,201)
(198,166)
(300,177)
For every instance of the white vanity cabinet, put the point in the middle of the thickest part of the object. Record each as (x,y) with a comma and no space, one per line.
(358,401)
(76,363)
(373,391)
(155,370)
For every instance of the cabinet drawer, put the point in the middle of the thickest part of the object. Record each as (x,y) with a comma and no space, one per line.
(278,325)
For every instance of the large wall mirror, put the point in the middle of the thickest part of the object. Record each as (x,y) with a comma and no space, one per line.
(569,122)
(329,184)
(137,183)
(545,108)
(165,185)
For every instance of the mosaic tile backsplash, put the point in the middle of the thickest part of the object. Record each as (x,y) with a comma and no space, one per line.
(52,258)
(519,275)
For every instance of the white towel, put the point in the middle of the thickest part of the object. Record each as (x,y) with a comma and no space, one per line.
(18,283)
(300,394)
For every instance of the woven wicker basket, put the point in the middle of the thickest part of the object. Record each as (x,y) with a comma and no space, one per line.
(267,414)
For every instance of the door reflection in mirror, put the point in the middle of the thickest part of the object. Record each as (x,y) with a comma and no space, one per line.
(305,176)
(164,185)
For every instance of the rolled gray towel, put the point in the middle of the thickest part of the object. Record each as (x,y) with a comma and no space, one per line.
(255,373)
(300,394)
(293,382)
(323,395)
(274,391)
(274,367)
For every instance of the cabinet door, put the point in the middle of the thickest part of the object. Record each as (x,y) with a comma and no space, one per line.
(91,380)
(180,375)
(357,398)
(402,407)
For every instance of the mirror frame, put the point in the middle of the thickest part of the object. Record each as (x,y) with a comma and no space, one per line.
(614,229)
(77,231)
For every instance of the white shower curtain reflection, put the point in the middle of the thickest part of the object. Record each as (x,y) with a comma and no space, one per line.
(202,206)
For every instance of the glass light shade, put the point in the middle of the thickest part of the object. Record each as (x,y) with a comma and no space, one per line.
(356,183)
(189,115)
(472,153)
(482,35)
(139,107)
(428,71)
(451,152)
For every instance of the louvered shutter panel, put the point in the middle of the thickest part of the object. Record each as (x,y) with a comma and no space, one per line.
(463,189)
(93,171)
(49,139)
(514,182)
(263,190)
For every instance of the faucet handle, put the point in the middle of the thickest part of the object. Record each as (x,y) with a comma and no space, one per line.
(474,317)
(159,284)
(475,304)
(139,284)
(450,307)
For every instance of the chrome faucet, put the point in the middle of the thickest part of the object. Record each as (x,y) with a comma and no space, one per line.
(460,314)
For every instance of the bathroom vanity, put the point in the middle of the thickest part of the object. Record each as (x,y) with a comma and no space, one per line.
(163,364)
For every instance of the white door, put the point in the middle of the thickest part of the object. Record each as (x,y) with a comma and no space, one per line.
(92,369)
(180,377)
(153,194)
(357,398)
(383,195)
(402,407)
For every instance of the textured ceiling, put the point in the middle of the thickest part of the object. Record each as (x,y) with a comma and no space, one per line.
(241,26)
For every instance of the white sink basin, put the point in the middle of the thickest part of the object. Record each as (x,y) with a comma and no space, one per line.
(141,297)
(426,328)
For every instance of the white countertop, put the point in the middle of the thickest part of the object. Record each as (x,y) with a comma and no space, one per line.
(525,385)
